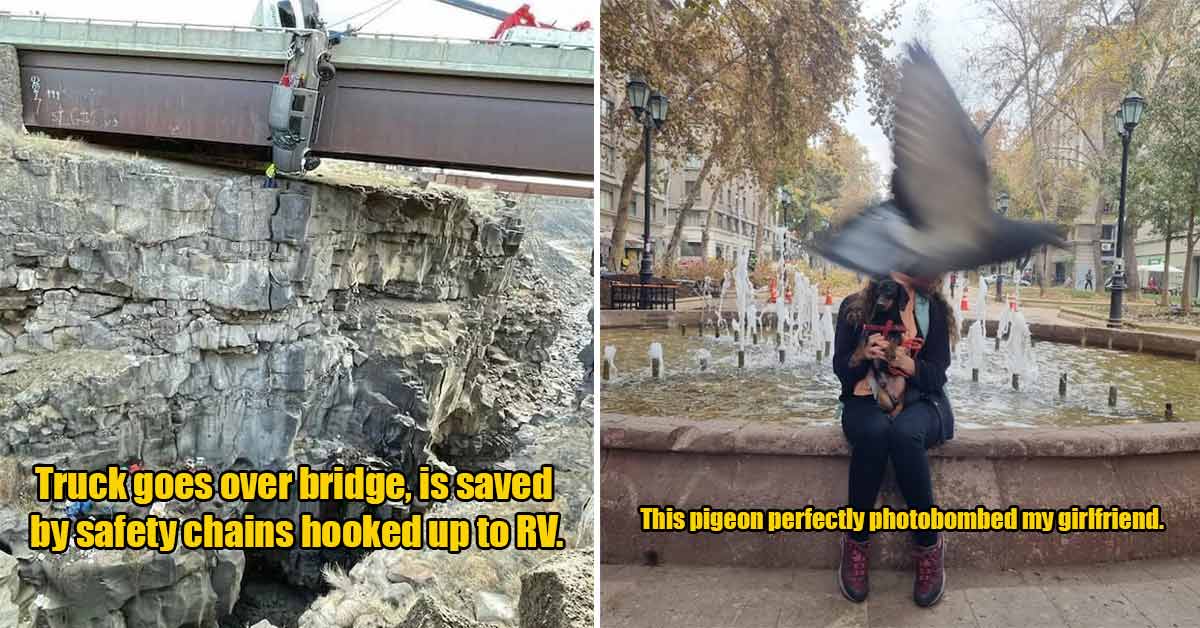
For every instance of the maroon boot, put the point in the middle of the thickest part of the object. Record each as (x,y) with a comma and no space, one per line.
(931,573)
(852,574)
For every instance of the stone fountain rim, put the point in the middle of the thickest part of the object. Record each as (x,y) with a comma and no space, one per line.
(743,437)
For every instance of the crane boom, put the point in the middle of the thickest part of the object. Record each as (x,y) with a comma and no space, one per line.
(481,9)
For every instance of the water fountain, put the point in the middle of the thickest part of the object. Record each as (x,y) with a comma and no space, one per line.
(782,380)
(976,345)
(1019,351)
(775,411)
(703,356)
(747,320)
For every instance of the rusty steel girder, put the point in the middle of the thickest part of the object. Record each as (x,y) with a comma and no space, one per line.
(491,124)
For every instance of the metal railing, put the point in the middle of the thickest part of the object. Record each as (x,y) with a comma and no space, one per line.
(628,296)
(270,44)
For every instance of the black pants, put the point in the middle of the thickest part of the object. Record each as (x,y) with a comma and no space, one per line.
(874,439)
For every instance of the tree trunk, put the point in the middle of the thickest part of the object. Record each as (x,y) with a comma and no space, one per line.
(705,239)
(1134,288)
(685,208)
(762,224)
(633,166)
(1164,298)
(1045,267)
(1186,293)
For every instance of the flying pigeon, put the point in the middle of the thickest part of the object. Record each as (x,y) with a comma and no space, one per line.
(940,217)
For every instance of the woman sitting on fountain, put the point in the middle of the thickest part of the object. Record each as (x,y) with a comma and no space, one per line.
(921,420)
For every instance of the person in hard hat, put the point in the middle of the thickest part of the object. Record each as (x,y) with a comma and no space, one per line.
(270,182)
(79,510)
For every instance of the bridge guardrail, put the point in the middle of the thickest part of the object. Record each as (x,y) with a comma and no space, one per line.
(253,44)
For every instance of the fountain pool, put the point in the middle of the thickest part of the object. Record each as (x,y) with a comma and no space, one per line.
(803,392)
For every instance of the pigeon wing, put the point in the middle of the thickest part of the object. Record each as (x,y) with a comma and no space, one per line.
(875,242)
(940,180)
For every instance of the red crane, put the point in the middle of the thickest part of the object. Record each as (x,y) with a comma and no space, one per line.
(523,16)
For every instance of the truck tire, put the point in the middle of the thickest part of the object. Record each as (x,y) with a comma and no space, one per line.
(326,70)
(311,162)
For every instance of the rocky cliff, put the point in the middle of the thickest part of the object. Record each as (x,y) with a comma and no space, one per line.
(174,314)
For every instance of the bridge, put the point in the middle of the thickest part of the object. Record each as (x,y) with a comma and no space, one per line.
(467,104)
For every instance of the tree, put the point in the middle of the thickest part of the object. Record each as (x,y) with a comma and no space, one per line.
(1074,61)
(750,82)
(1025,56)
(1175,125)
(708,219)
(1164,199)
(678,51)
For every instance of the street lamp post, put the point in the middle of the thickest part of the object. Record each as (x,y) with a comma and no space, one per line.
(1002,205)
(650,110)
(1126,118)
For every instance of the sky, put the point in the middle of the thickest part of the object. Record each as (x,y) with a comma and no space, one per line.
(952,26)
(408,17)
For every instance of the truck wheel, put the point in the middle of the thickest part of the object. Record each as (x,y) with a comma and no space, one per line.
(311,162)
(326,70)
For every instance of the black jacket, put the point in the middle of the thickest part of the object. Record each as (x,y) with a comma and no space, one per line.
(927,383)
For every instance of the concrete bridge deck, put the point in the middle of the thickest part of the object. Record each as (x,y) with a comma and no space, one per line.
(251,44)
(451,103)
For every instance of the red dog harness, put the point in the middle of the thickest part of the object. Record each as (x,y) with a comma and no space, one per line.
(913,344)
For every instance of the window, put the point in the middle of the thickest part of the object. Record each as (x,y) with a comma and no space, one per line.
(606,109)
(606,200)
(689,187)
(690,249)
(1108,232)
(608,158)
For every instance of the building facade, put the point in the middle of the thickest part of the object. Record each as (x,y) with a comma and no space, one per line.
(612,170)
(736,201)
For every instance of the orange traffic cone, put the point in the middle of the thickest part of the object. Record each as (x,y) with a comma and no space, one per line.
(774,292)
(828,298)
(963,305)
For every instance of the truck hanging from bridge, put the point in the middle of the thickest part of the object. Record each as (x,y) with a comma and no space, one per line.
(297,100)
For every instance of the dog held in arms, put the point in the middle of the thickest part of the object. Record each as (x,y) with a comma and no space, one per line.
(886,383)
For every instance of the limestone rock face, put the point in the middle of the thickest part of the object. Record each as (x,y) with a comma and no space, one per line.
(133,589)
(558,593)
(166,312)
(551,287)
(15,596)
(10,89)
(199,315)
(428,613)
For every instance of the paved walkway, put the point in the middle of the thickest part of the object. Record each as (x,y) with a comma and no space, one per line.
(1158,593)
